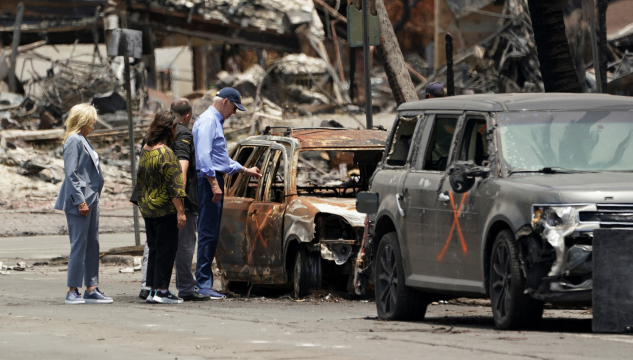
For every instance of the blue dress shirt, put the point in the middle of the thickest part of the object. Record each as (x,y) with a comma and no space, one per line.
(211,153)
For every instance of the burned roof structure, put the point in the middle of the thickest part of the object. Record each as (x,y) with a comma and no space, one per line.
(258,23)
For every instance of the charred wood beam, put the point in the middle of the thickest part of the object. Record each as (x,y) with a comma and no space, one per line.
(557,67)
(392,59)
(602,41)
(327,8)
(450,76)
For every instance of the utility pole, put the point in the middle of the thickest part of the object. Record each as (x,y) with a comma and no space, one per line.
(17,32)
(366,55)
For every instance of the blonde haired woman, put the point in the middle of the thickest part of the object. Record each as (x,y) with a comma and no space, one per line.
(79,199)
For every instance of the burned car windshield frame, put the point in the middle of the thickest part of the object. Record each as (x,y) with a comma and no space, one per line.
(566,141)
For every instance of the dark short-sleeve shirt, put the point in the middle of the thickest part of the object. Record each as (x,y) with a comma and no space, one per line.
(159,181)
(184,150)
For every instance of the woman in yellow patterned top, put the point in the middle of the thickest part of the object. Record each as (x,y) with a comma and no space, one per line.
(159,194)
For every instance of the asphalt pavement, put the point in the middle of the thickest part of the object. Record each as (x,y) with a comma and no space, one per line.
(35,324)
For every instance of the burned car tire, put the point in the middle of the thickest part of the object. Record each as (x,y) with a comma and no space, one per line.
(394,300)
(307,273)
(511,307)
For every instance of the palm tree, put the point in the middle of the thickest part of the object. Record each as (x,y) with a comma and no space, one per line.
(557,67)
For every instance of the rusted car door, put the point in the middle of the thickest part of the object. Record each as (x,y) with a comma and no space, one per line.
(240,191)
(265,220)
(420,196)
(458,225)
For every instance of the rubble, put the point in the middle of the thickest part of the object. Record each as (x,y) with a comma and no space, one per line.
(30,180)
(263,14)
(504,62)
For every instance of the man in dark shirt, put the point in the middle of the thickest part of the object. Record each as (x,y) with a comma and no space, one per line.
(185,152)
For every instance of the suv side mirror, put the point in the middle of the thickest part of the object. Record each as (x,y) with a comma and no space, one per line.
(462,175)
(366,202)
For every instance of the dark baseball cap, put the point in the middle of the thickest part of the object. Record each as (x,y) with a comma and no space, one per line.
(232,95)
(435,89)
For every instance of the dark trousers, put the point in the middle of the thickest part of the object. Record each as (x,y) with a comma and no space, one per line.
(209,218)
(162,240)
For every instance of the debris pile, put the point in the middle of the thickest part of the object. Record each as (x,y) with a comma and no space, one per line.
(264,14)
(505,62)
(30,179)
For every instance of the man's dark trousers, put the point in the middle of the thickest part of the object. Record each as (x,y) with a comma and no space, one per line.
(209,217)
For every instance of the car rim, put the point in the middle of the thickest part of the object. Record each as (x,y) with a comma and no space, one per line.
(502,280)
(388,280)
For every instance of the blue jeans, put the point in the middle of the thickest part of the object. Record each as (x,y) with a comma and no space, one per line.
(209,217)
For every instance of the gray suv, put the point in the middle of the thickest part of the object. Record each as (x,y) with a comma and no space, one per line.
(495,196)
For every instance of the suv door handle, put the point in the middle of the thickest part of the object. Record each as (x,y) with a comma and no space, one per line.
(398,198)
(443,197)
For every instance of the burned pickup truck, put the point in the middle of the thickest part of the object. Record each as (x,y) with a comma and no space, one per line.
(496,196)
(297,225)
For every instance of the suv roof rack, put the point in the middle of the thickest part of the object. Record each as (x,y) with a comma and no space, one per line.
(290,129)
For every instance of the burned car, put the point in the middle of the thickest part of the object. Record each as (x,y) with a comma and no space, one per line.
(496,196)
(297,225)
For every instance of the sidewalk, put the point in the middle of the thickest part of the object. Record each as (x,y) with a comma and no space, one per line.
(14,223)
(50,246)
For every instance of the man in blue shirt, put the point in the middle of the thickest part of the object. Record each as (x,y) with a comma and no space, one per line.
(212,163)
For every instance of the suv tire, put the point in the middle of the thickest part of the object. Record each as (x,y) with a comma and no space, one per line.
(394,300)
(307,272)
(511,307)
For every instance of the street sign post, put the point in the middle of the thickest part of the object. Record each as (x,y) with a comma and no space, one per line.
(128,43)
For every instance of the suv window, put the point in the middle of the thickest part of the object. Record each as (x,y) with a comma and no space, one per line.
(401,142)
(475,142)
(439,145)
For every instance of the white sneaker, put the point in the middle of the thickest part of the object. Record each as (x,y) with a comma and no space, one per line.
(150,297)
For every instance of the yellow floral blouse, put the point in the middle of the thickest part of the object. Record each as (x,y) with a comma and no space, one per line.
(159,180)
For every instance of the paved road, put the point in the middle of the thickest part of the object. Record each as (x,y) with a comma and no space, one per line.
(46,247)
(34,323)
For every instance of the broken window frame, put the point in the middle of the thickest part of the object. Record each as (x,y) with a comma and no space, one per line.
(232,179)
(275,153)
(239,188)
(392,139)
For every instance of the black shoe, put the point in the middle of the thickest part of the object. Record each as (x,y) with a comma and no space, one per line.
(166,298)
(143,294)
(195,296)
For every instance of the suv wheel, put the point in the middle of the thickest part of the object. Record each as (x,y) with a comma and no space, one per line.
(307,272)
(394,300)
(511,307)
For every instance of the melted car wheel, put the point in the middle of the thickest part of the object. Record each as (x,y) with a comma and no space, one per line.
(511,307)
(394,300)
(307,273)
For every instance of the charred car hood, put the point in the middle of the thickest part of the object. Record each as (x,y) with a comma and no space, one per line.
(615,187)
(345,208)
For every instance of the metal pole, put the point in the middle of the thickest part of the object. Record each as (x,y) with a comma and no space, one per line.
(366,64)
(17,32)
(128,90)
(589,9)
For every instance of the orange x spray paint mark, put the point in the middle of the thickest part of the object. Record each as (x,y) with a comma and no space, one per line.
(455,224)
(259,234)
